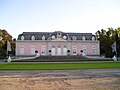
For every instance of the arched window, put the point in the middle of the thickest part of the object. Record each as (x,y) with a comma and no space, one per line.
(59,50)
(53,50)
(64,50)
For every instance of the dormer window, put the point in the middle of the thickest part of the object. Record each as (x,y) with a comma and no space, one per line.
(22,37)
(59,34)
(74,37)
(43,37)
(64,37)
(83,38)
(53,37)
(32,38)
(93,38)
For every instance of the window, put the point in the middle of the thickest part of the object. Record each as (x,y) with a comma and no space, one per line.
(59,50)
(32,49)
(64,50)
(59,35)
(74,50)
(93,49)
(43,50)
(22,50)
(53,50)
(84,49)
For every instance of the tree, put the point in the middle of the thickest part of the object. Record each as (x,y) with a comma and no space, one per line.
(4,37)
(107,38)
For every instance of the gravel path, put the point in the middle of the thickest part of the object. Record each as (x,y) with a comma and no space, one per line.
(84,79)
(82,73)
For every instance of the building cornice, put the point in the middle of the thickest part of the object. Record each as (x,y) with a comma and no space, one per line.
(76,41)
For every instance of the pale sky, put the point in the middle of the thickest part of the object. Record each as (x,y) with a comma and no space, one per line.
(83,16)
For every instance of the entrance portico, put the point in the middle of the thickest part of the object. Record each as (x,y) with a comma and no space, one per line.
(59,51)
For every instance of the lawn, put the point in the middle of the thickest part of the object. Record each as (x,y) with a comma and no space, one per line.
(59,66)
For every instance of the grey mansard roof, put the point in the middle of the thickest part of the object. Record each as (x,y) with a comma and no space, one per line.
(48,35)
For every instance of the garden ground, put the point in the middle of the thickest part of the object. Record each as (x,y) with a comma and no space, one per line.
(83,79)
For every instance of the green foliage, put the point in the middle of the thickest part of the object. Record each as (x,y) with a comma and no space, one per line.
(59,66)
(107,38)
(3,43)
(3,53)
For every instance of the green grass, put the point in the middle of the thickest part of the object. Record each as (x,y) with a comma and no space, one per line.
(59,66)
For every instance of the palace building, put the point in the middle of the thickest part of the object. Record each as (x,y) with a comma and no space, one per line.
(56,43)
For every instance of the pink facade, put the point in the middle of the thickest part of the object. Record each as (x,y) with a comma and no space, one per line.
(56,45)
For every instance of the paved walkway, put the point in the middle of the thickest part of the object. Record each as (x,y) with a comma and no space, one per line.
(83,73)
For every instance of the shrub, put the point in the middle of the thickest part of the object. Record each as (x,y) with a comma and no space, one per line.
(3,53)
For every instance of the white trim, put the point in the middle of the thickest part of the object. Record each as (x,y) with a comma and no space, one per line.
(93,49)
(59,50)
(32,49)
(74,50)
(65,51)
(53,51)
(84,48)
(43,49)
(22,49)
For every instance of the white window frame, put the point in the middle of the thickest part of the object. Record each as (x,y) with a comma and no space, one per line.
(59,51)
(22,49)
(53,49)
(43,50)
(74,50)
(32,50)
(84,49)
(64,50)
(93,49)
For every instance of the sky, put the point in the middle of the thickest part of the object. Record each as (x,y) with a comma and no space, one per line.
(80,16)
